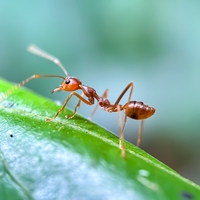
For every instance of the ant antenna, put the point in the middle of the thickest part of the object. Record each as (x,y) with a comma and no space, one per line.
(39,52)
(10,91)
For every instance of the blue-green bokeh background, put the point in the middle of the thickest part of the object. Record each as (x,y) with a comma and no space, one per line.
(107,44)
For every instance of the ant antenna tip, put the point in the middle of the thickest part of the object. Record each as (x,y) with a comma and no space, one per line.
(31,47)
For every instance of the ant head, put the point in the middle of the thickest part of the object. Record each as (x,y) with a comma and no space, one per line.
(69,84)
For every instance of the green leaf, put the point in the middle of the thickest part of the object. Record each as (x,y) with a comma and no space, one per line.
(74,158)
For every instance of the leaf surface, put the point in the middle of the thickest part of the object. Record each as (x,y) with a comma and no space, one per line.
(74,158)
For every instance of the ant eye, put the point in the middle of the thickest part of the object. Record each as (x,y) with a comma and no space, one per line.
(67,81)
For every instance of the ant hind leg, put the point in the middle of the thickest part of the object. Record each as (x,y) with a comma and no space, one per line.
(121,133)
(140,133)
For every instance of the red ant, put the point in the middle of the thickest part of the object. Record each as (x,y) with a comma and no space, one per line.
(133,109)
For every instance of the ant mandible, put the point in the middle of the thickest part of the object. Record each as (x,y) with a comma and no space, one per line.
(133,109)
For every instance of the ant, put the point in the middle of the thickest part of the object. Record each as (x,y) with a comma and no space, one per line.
(133,109)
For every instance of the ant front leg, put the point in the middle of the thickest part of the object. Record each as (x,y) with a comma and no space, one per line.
(66,101)
(76,107)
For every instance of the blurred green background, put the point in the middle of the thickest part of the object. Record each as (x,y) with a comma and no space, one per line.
(108,44)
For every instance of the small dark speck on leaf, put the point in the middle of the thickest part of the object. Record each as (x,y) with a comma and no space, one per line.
(10,133)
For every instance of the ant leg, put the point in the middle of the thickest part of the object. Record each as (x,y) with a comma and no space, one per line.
(125,120)
(10,91)
(105,94)
(121,133)
(76,107)
(121,128)
(139,138)
(140,133)
(130,85)
(65,103)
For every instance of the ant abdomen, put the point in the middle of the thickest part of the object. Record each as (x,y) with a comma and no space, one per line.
(138,110)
